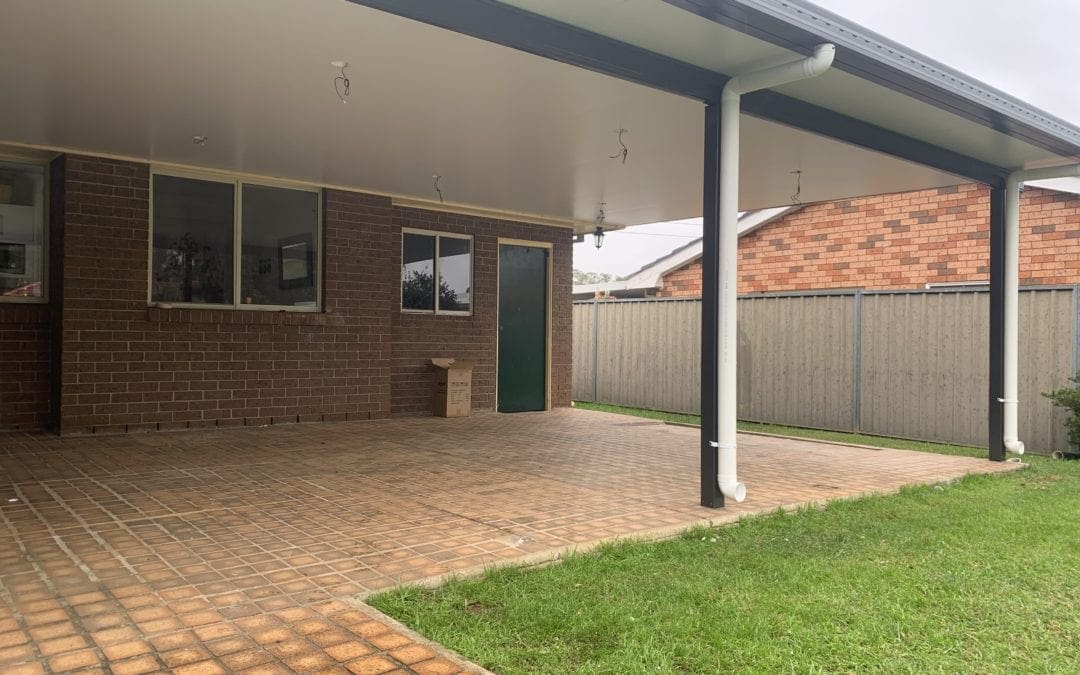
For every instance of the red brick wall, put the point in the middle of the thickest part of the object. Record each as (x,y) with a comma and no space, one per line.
(126,367)
(684,282)
(900,241)
(419,337)
(25,341)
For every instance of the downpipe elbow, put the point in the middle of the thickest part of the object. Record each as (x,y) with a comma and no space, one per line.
(727,477)
(733,490)
(821,61)
(1011,441)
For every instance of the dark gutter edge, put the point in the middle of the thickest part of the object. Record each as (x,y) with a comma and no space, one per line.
(518,29)
(798,26)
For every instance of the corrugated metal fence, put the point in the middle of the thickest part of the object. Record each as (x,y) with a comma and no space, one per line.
(907,364)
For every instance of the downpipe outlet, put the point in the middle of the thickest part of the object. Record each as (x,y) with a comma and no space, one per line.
(1014,446)
(727,478)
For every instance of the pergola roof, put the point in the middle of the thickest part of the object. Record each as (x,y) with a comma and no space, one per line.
(524,126)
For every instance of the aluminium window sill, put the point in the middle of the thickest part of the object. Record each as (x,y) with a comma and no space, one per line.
(429,312)
(23,300)
(264,316)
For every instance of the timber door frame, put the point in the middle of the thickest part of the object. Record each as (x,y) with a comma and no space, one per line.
(550,248)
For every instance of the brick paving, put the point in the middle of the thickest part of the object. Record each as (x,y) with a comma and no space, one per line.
(246,549)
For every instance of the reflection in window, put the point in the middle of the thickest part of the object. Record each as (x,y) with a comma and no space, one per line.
(193,241)
(421,266)
(418,272)
(201,255)
(22,232)
(277,263)
(455,274)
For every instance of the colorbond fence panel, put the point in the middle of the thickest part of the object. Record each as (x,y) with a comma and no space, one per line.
(584,349)
(911,364)
(648,354)
(1048,353)
(801,374)
(924,366)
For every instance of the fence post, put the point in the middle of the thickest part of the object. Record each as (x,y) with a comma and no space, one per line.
(595,345)
(1076,335)
(1076,329)
(856,367)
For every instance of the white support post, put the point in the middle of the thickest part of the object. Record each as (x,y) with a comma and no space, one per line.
(1011,352)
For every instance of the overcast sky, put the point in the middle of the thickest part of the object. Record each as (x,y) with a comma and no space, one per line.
(1029,49)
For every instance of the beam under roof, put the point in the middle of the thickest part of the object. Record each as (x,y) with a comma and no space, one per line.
(519,29)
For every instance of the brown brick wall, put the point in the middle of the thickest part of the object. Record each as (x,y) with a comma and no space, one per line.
(900,241)
(419,337)
(122,366)
(25,342)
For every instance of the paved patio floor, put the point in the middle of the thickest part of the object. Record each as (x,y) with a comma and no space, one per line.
(227,550)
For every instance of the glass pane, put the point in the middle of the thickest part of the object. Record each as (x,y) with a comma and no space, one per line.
(278,260)
(22,231)
(193,241)
(418,272)
(455,274)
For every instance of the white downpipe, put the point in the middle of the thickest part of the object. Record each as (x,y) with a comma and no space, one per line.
(727,293)
(1010,396)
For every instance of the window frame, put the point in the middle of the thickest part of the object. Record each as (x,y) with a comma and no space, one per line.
(15,162)
(238,182)
(438,249)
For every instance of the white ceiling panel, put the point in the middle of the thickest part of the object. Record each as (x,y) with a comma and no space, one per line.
(666,29)
(505,129)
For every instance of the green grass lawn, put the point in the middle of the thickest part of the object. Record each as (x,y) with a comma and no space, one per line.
(981,575)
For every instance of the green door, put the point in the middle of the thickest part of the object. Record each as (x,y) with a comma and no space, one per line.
(522,328)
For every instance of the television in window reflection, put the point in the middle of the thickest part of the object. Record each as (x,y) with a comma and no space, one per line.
(12,258)
(295,261)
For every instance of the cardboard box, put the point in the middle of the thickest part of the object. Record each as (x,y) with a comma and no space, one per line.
(453,387)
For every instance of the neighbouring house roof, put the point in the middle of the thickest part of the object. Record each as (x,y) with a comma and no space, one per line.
(650,274)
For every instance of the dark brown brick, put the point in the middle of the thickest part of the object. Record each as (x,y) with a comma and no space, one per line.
(126,367)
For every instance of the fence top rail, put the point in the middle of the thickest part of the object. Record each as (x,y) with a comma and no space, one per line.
(985,288)
(621,301)
(845,292)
